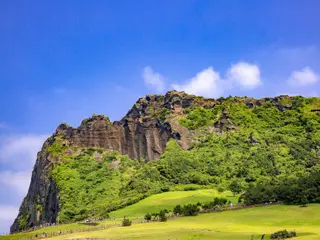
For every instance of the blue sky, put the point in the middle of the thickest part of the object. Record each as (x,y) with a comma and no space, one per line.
(61,61)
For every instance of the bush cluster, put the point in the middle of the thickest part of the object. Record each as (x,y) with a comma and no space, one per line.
(215,203)
(162,216)
(283,234)
(295,190)
(126,222)
(190,209)
(148,217)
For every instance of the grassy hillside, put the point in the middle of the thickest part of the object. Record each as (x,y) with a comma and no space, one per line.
(242,224)
(154,203)
(169,200)
(55,229)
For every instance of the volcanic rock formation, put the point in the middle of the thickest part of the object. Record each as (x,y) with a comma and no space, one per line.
(141,134)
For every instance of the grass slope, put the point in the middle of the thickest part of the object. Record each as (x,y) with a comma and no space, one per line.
(52,229)
(154,203)
(238,224)
(169,200)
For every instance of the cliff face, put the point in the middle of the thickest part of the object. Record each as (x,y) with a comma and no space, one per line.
(41,205)
(141,134)
(145,139)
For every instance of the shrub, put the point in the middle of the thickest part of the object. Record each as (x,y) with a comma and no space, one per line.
(155,214)
(126,222)
(216,202)
(165,211)
(162,215)
(190,210)
(207,205)
(283,234)
(221,189)
(148,217)
(198,117)
(219,201)
(165,189)
(163,113)
(177,209)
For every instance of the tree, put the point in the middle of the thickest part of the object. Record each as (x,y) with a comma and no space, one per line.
(235,187)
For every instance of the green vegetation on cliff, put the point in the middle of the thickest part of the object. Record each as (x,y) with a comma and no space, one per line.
(90,184)
(23,220)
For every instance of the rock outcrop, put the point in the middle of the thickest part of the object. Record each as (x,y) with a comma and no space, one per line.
(138,138)
(142,133)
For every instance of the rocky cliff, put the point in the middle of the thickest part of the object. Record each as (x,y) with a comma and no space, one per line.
(41,205)
(141,134)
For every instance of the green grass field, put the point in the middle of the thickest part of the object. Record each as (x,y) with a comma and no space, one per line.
(246,224)
(169,200)
(242,224)
(62,227)
(154,203)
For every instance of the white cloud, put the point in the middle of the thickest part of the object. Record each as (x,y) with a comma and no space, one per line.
(245,74)
(20,150)
(19,181)
(206,83)
(153,79)
(304,77)
(17,157)
(7,216)
(8,212)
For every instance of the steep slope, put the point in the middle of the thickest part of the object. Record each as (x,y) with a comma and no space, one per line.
(102,166)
